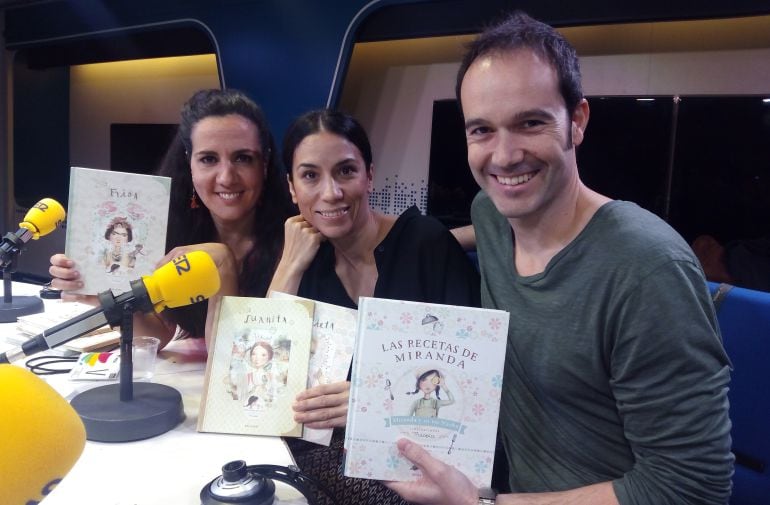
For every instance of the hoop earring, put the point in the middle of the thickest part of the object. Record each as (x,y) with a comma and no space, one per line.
(194,200)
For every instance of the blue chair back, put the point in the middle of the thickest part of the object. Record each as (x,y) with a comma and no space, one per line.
(744,321)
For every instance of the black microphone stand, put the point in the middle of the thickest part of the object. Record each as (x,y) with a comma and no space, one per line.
(127,411)
(13,307)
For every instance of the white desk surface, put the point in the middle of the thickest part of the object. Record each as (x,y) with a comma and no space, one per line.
(170,469)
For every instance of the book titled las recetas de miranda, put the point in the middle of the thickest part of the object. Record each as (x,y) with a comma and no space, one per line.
(429,373)
(116,226)
(256,366)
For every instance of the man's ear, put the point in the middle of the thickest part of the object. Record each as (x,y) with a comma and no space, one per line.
(580,122)
(291,190)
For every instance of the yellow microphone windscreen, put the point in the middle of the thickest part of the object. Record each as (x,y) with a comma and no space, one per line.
(42,437)
(43,217)
(184,280)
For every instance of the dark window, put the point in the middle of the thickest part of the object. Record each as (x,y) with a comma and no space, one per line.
(714,179)
(722,168)
(451,186)
(626,150)
(139,148)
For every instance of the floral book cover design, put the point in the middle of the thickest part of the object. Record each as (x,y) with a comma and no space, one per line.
(331,350)
(116,226)
(430,373)
(256,366)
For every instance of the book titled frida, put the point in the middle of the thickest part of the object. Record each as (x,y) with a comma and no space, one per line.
(429,373)
(257,365)
(331,349)
(116,226)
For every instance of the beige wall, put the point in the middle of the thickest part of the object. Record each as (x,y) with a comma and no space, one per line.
(140,91)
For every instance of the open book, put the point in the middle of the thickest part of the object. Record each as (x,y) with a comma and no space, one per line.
(116,226)
(57,312)
(256,366)
(430,373)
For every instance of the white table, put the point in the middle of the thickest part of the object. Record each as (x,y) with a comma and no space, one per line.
(170,469)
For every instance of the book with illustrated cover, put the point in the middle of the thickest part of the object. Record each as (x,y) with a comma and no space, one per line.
(331,350)
(116,226)
(429,373)
(257,365)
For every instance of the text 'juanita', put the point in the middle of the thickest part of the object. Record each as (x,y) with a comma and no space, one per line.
(262,319)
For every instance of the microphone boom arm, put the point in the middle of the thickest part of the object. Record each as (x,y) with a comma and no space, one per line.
(186,279)
(109,312)
(12,245)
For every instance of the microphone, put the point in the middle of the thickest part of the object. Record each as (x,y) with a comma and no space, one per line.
(43,218)
(42,435)
(184,280)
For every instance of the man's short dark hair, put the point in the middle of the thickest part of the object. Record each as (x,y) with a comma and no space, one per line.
(519,31)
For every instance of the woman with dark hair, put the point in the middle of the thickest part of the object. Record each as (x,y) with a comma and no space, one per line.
(339,249)
(229,195)
(228,198)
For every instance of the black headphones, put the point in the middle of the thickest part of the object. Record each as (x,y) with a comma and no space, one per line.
(253,485)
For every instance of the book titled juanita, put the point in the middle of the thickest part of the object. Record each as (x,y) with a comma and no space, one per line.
(116,226)
(429,373)
(257,365)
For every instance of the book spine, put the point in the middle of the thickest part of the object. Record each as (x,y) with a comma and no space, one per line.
(355,378)
(201,425)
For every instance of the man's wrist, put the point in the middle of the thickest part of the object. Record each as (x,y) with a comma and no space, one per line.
(487,496)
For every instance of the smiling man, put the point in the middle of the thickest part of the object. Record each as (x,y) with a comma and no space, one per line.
(615,386)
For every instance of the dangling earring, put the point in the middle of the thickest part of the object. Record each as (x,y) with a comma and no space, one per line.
(194,200)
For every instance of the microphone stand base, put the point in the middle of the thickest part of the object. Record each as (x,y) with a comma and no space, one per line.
(19,306)
(154,410)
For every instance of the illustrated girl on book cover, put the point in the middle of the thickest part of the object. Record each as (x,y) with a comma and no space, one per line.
(119,254)
(430,385)
(120,247)
(266,377)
